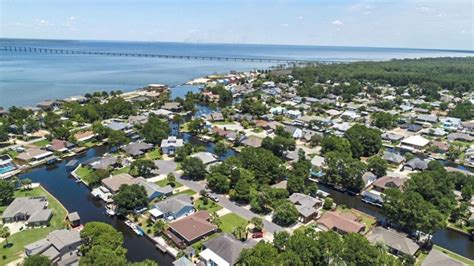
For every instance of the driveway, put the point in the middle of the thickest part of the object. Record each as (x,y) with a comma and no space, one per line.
(231,206)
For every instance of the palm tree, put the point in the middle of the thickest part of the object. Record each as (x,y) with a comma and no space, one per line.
(258,223)
(5,233)
(159,226)
(177,119)
(240,233)
(215,219)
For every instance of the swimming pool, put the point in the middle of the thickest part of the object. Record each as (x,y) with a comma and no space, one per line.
(6,168)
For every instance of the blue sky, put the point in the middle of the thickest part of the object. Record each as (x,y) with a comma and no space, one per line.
(446,24)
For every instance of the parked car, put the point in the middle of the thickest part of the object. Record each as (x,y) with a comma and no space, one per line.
(213,197)
(257,235)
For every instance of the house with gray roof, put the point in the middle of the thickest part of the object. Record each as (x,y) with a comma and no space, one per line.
(460,136)
(171,144)
(172,106)
(164,167)
(423,118)
(205,157)
(416,164)
(137,149)
(57,246)
(393,158)
(307,206)
(252,141)
(115,125)
(438,258)
(32,210)
(175,207)
(397,243)
(223,250)
(295,132)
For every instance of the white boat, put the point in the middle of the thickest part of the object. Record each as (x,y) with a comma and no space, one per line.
(134,227)
(109,212)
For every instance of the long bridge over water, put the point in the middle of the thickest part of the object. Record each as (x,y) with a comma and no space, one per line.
(41,50)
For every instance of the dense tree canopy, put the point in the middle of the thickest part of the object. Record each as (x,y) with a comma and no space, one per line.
(7,189)
(344,171)
(364,141)
(155,130)
(130,197)
(193,168)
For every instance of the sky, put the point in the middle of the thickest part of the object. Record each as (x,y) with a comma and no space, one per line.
(439,24)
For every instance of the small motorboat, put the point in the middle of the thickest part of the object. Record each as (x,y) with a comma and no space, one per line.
(134,227)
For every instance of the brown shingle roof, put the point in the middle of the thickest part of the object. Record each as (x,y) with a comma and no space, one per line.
(194,226)
(345,223)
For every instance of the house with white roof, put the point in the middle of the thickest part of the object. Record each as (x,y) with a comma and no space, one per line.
(414,143)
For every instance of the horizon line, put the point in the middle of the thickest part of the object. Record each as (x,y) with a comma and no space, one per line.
(229,43)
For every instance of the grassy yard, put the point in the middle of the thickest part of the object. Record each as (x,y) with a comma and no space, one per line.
(41,143)
(421,258)
(28,236)
(189,192)
(454,255)
(12,153)
(164,182)
(211,206)
(85,174)
(89,144)
(123,170)
(153,155)
(231,221)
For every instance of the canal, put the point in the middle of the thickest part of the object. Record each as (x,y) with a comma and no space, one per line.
(76,197)
(446,238)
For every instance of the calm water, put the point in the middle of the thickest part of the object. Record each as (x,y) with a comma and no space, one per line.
(27,78)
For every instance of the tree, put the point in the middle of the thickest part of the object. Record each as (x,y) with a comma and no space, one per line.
(262,254)
(159,227)
(240,232)
(218,182)
(155,130)
(364,141)
(193,168)
(26,183)
(99,255)
(335,143)
(196,125)
(328,202)
(316,139)
(258,223)
(278,145)
(464,111)
(243,186)
(130,197)
(454,151)
(263,163)
(285,213)
(7,190)
(171,179)
(384,120)
(97,234)
(3,134)
(220,148)
(142,168)
(116,138)
(344,171)
(37,260)
(5,233)
(377,166)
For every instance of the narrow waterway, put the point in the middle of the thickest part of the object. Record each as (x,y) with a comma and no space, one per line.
(446,238)
(76,197)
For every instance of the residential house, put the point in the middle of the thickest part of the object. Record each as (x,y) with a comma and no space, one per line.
(59,246)
(278,110)
(48,105)
(175,207)
(74,219)
(423,118)
(391,137)
(102,163)
(372,197)
(154,191)
(411,127)
(414,143)
(84,136)
(33,154)
(137,119)
(215,117)
(295,132)
(393,158)
(113,183)
(317,162)
(293,114)
(397,243)
(172,106)
(7,166)
(343,223)
(164,167)
(451,123)
(205,157)
(169,145)
(307,206)
(460,136)
(191,229)
(58,145)
(137,149)
(368,178)
(223,250)
(119,126)
(32,210)
(416,164)
(387,182)
(439,258)
(252,141)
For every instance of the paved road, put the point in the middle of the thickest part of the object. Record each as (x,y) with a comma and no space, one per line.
(231,206)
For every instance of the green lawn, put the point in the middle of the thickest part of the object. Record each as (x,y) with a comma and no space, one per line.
(153,155)
(189,192)
(89,144)
(41,143)
(211,206)
(164,182)
(28,236)
(13,154)
(231,221)
(85,174)
(123,170)
(421,258)
(365,219)
(454,255)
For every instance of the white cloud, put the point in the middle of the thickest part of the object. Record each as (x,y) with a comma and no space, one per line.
(72,18)
(300,18)
(337,23)
(43,23)
(424,9)
(285,25)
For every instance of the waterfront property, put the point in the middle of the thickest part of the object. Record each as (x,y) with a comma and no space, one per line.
(175,207)
(190,229)
(223,250)
(396,242)
(169,146)
(344,223)
(31,210)
(60,246)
